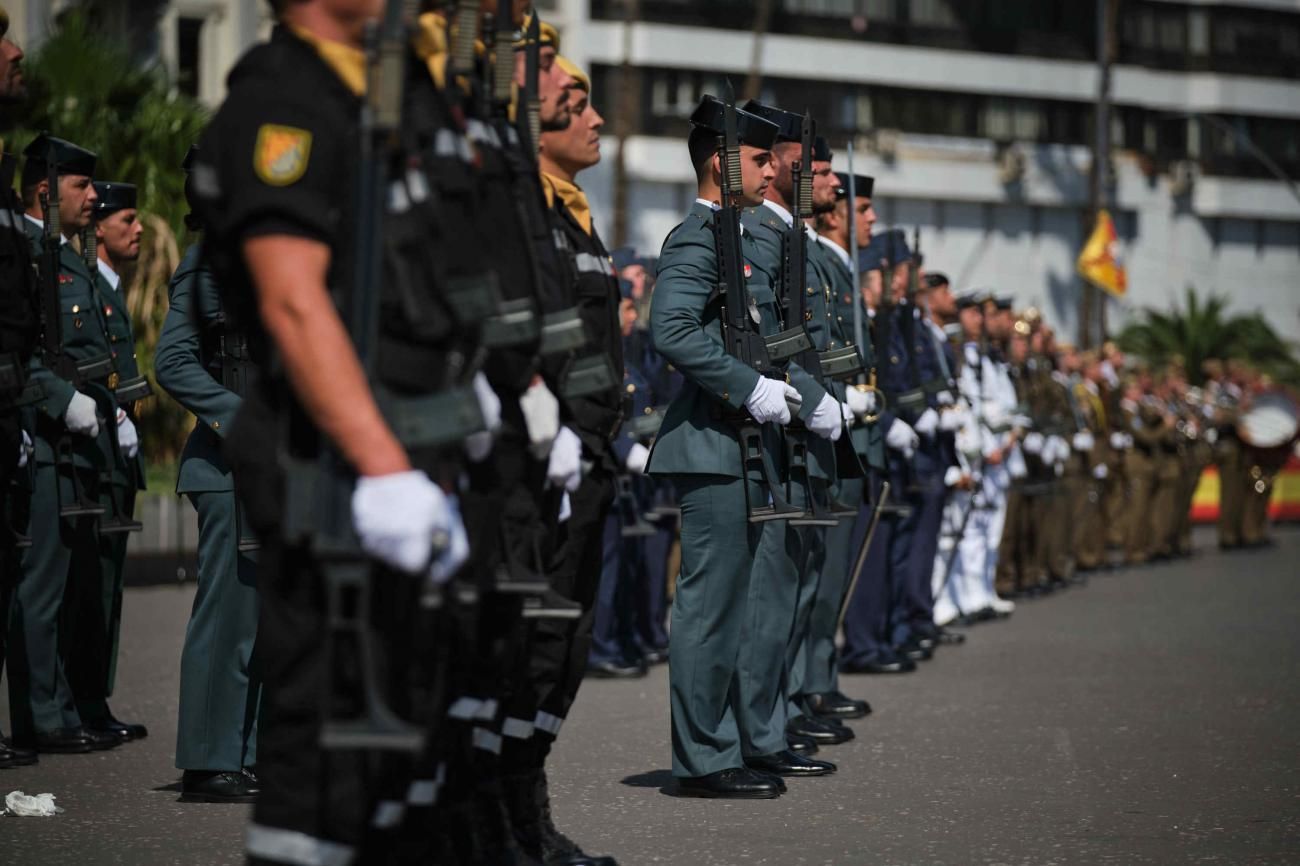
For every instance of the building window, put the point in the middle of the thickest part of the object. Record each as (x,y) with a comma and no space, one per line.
(189,33)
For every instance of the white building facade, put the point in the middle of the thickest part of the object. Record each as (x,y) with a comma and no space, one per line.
(975,117)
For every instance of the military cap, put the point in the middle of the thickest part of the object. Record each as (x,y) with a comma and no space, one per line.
(821,150)
(1002,302)
(750,128)
(862,185)
(571,69)
(546,34)
(789,125)
(896,250)
(935,279)
(625,257)
(68,159)
(873,257)
(113,197)
(967,300)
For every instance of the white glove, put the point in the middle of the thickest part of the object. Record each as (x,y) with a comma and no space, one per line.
(945,398)
(566,507)
(457,551)
(770,399)
(1034,443)
(128,440)
(952,420)
(1128,440)
(1083,441)
(564,467)
(826,420)
(1117,441)
(81,416)
(637,457)
(479,445)
(1024,422)
(846,412)
(1101,471)
(23,448)
(951,476)
(902,438)
(397,517)
(1015,461)
(928,424)
(1056,450)
(541,417)
(861,402)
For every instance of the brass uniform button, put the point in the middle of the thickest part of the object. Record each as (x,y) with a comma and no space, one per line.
(631,389)
(216,425)
(76,308)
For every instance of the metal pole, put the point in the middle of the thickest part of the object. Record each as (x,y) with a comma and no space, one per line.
(858,328)
(627,113)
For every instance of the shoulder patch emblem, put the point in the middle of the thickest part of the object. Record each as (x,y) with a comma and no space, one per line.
(281,153)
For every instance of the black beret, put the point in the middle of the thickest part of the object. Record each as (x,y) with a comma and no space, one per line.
(750,128)
(67,157)
(113,196)
(862,185)
(789,125)
(821,150)
(895,246)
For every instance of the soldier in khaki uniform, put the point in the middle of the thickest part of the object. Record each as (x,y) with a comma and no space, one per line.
(1090,536)
(1149,426)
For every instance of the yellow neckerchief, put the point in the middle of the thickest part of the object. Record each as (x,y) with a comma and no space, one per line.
(347,62)
(572,195)
(432,42)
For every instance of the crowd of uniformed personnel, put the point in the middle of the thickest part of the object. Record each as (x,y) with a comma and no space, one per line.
(451,454)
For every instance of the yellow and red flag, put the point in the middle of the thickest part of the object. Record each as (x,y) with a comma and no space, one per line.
(1100,263)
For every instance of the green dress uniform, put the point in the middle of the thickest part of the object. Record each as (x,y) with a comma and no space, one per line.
(697,451)
(788,561)
(51,644)
(126,478)
(818,671)
(216,727)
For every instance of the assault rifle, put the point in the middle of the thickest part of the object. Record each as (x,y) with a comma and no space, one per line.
(741,336)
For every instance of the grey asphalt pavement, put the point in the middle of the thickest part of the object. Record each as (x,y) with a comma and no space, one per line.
(1152,716)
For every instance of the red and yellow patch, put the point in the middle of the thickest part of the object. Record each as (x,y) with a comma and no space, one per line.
(281,153)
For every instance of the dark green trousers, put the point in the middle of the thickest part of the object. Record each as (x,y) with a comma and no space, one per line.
(769,628)
(717,553)
(820,672)
(60,574)
(217,725)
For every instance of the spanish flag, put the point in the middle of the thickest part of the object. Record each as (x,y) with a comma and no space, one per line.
(1099,263)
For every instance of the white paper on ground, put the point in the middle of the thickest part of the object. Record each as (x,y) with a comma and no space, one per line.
(30,805)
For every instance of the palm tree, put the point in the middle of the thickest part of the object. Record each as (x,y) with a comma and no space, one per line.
(1201,330)
(87,89)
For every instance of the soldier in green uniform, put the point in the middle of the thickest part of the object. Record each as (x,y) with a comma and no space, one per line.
(116,231)
(788,563)
(697,451)
(201,361)
(821,671)
(72,448)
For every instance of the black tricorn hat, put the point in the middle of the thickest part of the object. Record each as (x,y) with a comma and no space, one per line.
(789,125)
(863,184)
(750,128)
(67,157)
(113,197)
(821,150)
